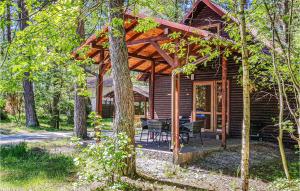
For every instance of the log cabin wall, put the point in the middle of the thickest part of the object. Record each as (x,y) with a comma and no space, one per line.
(263,109)
(203,16)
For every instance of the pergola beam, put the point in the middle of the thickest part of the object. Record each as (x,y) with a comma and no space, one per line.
(99,91)
(152,88)
(137,51)
(163,69)
(167,58)
(147,40)
(135,36)
(131,26)
(137,64)
(224,100)
(140,57)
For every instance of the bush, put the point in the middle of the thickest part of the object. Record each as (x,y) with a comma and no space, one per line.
(3,115)
(104,162)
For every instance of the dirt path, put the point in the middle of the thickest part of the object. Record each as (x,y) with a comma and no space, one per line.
(33,137)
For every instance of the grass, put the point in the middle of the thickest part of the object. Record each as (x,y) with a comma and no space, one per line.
(11,127)
(273,170)
(28,167)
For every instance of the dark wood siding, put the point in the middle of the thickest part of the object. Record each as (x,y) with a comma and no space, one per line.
(204,16)
(263,109)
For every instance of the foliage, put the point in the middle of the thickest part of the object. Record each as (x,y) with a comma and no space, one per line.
(285,185)
(103,162)
(25,167)
(146,25)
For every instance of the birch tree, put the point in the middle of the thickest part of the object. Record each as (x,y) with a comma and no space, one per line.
(246,99)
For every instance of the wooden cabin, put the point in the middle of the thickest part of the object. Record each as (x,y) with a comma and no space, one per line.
(212,93)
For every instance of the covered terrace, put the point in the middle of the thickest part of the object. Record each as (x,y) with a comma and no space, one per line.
(147,56)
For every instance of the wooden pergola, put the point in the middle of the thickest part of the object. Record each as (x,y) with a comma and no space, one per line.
(147,56)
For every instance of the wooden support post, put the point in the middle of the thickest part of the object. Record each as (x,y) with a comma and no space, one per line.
(152,88)
(99,90)
(224,100)
(175,114)
(145,108)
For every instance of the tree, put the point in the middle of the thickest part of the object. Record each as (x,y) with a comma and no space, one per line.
(80,114)
(280,15)
(124,108)
(246,99)
(30,112)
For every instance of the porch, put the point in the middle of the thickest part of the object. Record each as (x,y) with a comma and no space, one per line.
(147,57)
(188,152)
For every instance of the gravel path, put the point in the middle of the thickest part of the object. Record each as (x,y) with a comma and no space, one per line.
(33,137)
(197,178)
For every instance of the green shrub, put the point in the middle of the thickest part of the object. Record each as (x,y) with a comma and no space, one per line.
(104,162)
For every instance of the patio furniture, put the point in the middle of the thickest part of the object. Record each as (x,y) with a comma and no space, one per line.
(157,128)
(184,132)
(195,128)
(144,125)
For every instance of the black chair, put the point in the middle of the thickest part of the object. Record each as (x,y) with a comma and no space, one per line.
(195,128)
(156,128)
(144,125)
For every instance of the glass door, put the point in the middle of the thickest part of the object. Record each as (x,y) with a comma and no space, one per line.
(203,109)
(218,106)
(207,104)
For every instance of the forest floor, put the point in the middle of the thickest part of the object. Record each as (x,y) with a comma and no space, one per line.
(220,170)
(48,165)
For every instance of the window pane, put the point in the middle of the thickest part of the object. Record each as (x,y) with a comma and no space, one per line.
(203,96)
(219,97)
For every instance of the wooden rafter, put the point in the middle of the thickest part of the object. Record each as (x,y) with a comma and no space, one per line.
(140,57)
(137,64)
(135,36)
(167,58)
(137,51)
(147,40)
(163,69)
(131,26)
(147,69)
(96,46)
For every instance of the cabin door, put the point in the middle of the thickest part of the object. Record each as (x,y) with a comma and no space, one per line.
(207,104)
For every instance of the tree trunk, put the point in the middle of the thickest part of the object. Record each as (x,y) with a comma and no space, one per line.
(123,94)
(8,25)
(30,112)
(57,82)
(55,110)
(280,85)
(29,102)
(80,115)
(246,101)
(80,128)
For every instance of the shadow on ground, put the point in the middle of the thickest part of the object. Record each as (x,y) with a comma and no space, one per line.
(21,165)
(265,162)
